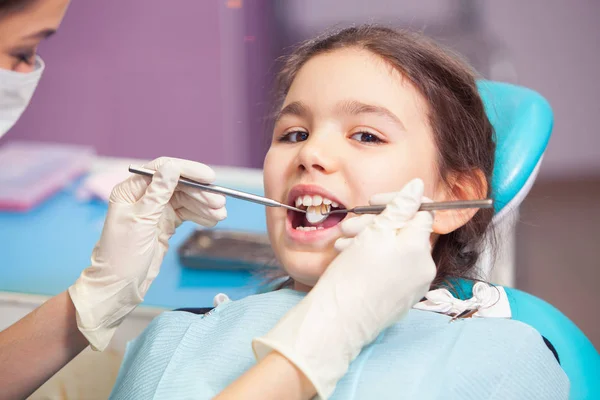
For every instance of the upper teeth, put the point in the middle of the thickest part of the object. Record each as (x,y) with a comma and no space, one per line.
(315,200)
(317,207)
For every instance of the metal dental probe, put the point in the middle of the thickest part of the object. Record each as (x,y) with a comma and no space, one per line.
(221,190)
(440,205)
(434,206)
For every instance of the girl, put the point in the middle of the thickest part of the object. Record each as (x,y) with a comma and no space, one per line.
(361,113)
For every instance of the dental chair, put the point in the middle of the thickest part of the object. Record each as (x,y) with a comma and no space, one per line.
(523,120)
(523,123)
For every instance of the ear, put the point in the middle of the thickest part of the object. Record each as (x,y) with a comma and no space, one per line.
(469,185)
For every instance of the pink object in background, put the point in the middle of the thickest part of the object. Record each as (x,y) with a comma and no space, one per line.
(99,184)
(31,172)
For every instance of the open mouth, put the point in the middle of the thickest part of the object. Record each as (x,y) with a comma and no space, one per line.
(316,217)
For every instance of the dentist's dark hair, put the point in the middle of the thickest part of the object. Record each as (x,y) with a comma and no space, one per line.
(462,132)
(8,6)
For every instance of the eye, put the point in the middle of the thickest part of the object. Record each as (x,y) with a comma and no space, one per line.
(366,137)
(294,137)
(26,57)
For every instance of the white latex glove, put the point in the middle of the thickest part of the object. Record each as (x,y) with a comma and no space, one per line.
(368,287)
(142,215)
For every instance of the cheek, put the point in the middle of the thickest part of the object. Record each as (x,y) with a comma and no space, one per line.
(6,61)
(274,185)
(390,172)
(271,225)
(271,173)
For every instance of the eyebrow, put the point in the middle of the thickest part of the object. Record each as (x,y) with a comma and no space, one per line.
(296,108)
(348,107)
(353,107)
(43,34)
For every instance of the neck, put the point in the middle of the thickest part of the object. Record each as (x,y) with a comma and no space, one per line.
(300,287)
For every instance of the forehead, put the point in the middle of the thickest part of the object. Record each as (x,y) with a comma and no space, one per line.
(36,15)
(355,74)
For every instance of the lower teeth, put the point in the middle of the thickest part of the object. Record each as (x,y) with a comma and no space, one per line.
(309,228)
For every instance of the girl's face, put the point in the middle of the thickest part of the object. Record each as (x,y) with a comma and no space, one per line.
(351,126)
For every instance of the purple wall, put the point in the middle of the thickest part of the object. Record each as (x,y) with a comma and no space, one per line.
(141,79)
(554,48)
(263,47)
(189,78)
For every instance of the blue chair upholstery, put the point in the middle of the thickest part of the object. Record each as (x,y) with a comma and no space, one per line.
(578,357)
(523,123)
(523,120)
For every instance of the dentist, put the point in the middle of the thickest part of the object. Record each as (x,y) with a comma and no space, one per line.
(142,215)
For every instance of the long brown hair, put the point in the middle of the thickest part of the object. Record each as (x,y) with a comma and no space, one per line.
(462,132)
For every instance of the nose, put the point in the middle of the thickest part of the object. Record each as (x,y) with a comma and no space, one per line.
(24,68)
(318,153)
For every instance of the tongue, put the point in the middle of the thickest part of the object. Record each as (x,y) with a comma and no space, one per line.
(332,220)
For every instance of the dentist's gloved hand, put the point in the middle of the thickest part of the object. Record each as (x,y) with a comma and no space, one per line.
(143,214)
(369,286)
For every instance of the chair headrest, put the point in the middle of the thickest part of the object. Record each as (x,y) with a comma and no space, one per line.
(522,120)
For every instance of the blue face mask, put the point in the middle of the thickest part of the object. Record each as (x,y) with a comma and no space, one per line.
(16,90)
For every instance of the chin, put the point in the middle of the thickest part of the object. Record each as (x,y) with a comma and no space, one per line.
(306,267)
(303,242)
